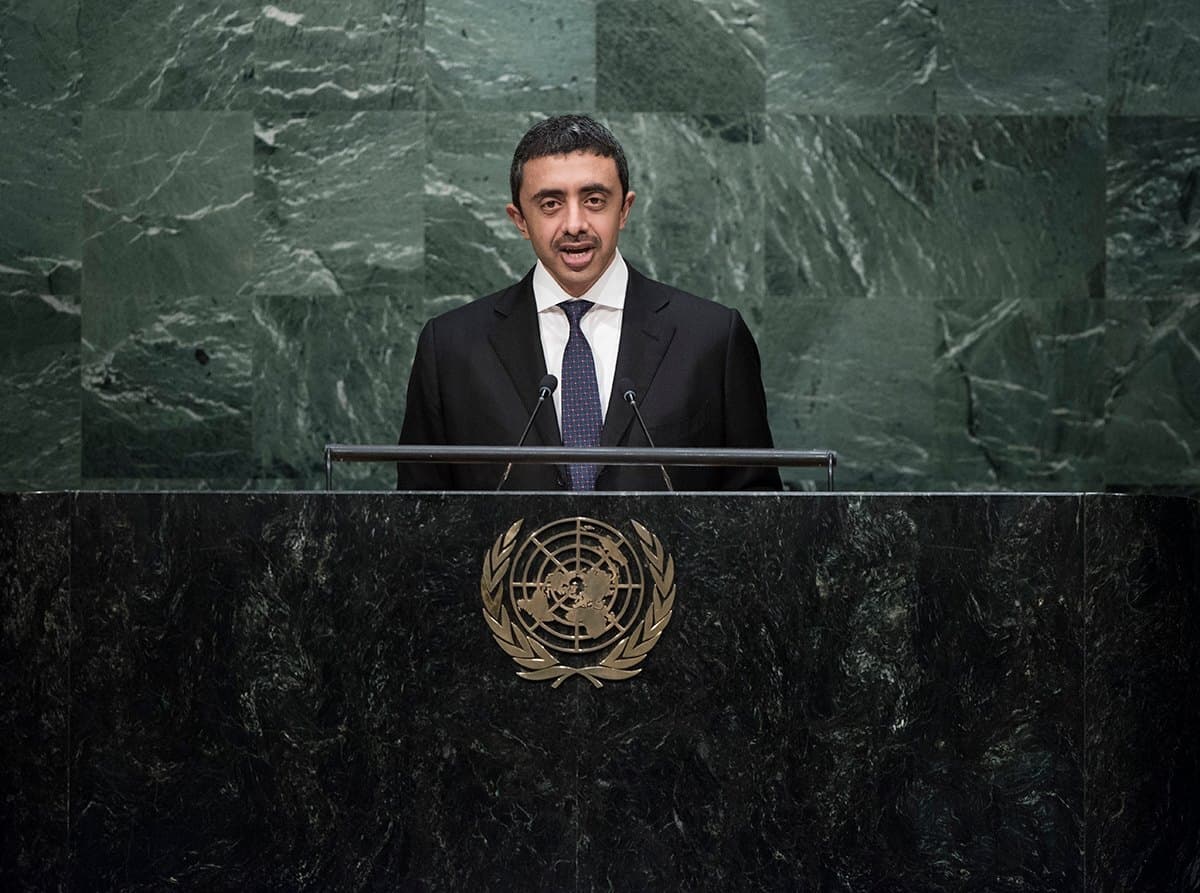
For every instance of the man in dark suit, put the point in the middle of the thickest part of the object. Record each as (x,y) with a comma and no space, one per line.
(591,320)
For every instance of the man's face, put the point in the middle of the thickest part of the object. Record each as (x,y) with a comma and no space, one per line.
(572,211)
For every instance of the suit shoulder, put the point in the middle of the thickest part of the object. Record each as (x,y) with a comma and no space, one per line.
(681,302)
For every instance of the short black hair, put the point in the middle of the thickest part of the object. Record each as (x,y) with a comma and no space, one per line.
(562,135)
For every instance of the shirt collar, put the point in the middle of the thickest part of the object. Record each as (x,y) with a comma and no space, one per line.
(607,291)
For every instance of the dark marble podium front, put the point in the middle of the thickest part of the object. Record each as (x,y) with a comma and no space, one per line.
(856,692)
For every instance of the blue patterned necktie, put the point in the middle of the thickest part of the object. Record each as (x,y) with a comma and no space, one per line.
(581,419)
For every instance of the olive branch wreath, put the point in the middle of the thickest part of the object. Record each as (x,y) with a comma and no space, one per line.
(540,665)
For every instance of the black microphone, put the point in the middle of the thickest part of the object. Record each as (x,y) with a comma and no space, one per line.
(629,395)
(548,386)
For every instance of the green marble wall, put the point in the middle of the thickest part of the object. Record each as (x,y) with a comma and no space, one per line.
(966,234)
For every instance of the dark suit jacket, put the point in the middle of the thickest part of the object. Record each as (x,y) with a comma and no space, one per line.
(693,363)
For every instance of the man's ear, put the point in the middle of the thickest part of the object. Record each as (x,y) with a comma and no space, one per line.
(625,206)
(518,219)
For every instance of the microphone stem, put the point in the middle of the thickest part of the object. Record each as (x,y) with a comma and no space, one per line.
(542,395)
(642,422)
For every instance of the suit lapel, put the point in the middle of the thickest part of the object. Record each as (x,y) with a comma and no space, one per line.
(645,336)
(517,341)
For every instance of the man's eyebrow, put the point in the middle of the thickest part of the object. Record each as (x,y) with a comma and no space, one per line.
(587,189)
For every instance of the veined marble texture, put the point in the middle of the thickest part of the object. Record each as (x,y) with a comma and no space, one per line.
(850,207)
(1038,395)
(699,56)
(39,392)
(954,207)
(167,203)
(354,54)
(143,484)
(696,221)
(1154,207)
(1021,391)
(1142,665)
(471,247)
(1152,432)
(166,388)
(1154,57)
(41,178)
(35,563)
(167,54)
(1022,56)
(853,375)
(851,58)
(537,54)
(331,372)
(40,60)
(1020,208)
(951,159)
(855,692)
(338,203)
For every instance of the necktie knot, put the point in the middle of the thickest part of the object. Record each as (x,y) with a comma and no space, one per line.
(575,310)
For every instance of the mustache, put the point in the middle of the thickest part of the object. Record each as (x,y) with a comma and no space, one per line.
(586,242)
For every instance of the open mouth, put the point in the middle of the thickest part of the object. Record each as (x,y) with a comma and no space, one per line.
(577,256)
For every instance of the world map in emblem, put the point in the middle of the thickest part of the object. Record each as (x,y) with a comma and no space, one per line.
(576,586)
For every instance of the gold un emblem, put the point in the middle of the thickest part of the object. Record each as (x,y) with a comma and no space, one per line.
(571,589)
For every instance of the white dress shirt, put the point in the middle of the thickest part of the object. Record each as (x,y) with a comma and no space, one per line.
(601,325)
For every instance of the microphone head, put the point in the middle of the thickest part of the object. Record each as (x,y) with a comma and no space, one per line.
(548,386)
(625,387)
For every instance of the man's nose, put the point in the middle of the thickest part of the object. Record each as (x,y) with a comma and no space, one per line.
(577,219)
